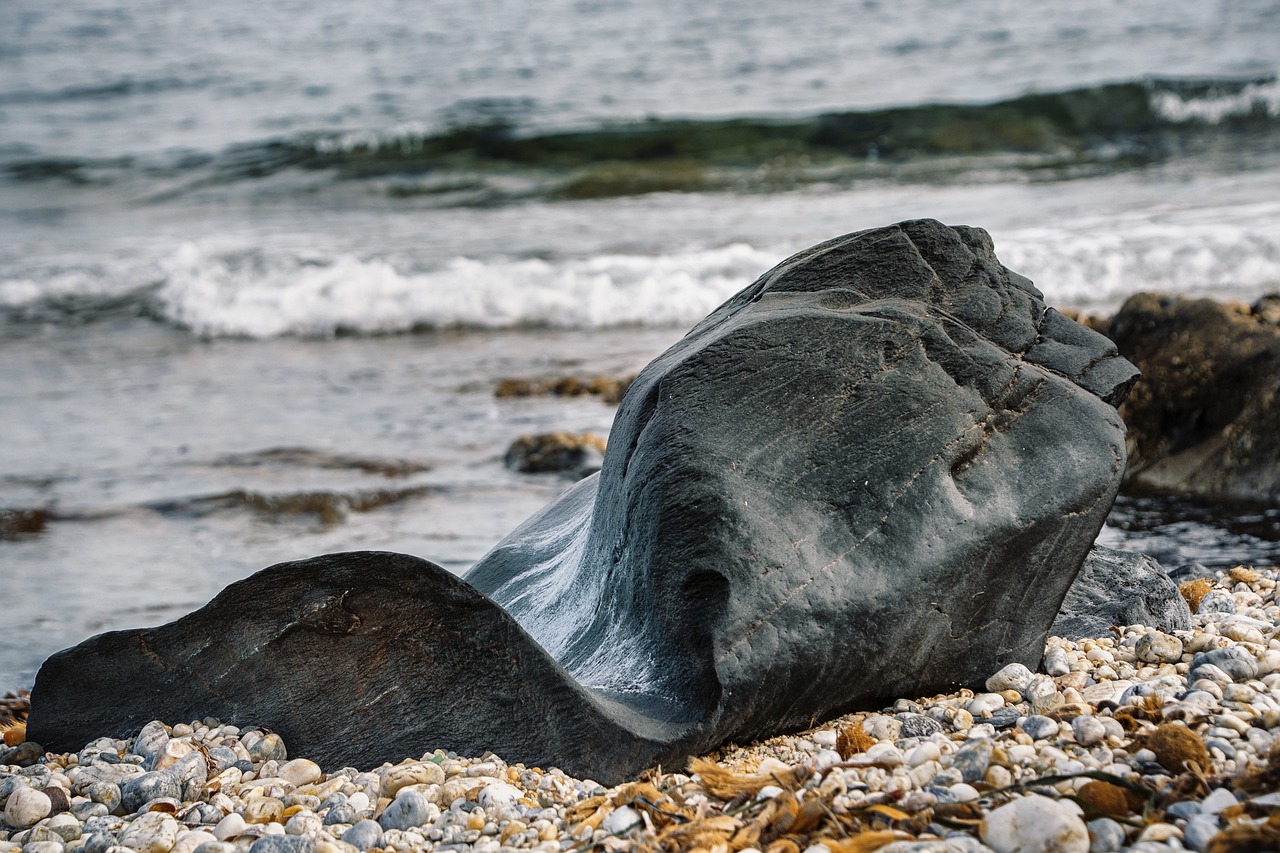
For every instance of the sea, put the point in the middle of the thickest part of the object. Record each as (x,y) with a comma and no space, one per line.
(264,262)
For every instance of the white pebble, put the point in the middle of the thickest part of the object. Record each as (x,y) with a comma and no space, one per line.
(1035,824)
(300,771)
(26,806)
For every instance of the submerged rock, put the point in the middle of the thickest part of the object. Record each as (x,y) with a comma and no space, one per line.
(574,454)
(874,472)
(1202,422)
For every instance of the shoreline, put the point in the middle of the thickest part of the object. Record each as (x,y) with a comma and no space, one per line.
(1111,742)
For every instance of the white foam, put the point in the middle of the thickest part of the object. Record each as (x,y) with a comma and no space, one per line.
(1212,110)
(264,296)
(1097,263)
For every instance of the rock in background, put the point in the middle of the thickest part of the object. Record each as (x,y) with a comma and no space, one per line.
(1204,421)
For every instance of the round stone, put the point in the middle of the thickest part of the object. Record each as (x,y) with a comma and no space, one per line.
(153,832)
(1014,676)
(1035,824)
(25,807)
(918,725)
(1088,730)
(268,748)
(140,790)
(973,758)
(1199,831)
(1233,660)
(1216,601)
(498,794)
(418,773)
(1158,647)
(341,813)
(408,810)
(364,835)
(282,844)
(1055,661)
(300,771)
(1106,835)
(1039,727)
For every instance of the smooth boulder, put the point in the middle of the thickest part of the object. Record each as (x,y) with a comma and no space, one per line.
(874,472)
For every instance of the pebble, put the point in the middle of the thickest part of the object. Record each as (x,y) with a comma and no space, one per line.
(1158,647)
(1035,824)
(152,832)
(1105,835)
(407,810)
(1222,686)
(364,835)
(25,806)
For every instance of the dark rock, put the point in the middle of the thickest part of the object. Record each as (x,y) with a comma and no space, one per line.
(1202,422)
(1190,572)
(1120,588)
(575,454)
(874,472)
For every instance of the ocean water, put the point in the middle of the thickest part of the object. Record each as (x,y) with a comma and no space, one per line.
(262,265)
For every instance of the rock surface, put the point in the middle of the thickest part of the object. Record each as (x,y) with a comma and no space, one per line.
(1202,422)
(1120,588)
(875,471)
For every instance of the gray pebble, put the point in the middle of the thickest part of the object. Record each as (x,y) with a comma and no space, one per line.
(99,842)
(943,795)
(1088,730)
(1055,661)
(1183,810)
(1038,727)
(341,813)
(106,793)
(1199,830)
(1004,718)
(364,835)
(42,847)
(1216,601)
(918,725)
(222,757)
(25,754)
(268,748)
(1206,674)
(1233,660)
(1105,835)
(140,790)
(215,847)
(282,844)
(973,758)
(84,811)
(407,810)
(150,742)
(1227,750)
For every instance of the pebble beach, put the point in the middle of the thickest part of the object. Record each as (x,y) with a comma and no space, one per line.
(1140,741)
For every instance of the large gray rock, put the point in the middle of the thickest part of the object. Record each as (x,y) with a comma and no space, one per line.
(874,472)
(1120,588)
